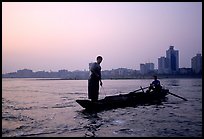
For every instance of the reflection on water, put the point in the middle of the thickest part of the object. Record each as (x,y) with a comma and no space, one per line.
(47,108)
(94,123)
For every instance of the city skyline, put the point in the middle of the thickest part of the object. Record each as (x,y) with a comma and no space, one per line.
(144,67)
(54,36)
(196,65)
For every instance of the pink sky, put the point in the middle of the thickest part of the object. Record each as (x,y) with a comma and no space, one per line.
(53,36)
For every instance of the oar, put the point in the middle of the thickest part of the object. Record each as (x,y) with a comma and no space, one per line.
(142,89)
(139,89)
(177,96)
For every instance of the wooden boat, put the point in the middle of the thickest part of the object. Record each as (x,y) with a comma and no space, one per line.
(124,100)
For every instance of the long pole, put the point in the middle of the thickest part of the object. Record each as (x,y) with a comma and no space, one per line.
(177,96)
(139,89)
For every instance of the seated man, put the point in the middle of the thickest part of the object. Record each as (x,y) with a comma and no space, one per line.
(155,85)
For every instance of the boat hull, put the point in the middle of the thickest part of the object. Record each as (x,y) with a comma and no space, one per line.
(124,100)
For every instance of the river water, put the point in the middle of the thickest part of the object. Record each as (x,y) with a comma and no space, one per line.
(47,108)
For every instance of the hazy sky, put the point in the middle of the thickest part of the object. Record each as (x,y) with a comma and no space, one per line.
(55,35)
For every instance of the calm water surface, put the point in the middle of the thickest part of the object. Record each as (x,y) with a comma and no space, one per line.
(38,108)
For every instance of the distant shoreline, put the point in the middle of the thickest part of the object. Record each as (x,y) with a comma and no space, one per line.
(115,78)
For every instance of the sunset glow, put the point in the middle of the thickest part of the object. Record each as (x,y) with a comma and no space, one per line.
(53,36)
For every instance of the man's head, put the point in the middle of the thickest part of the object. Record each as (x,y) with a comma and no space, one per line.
(99,59)
(155,77)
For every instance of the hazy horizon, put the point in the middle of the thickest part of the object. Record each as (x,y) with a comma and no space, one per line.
(57,35)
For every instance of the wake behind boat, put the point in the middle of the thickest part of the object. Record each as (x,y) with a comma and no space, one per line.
(124,100)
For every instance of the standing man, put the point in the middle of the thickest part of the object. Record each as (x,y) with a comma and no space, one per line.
(94,79)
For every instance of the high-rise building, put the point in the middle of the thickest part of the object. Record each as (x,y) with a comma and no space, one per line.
(196,63)
(146,68)
(162,65)
(142,68)
(173,59)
